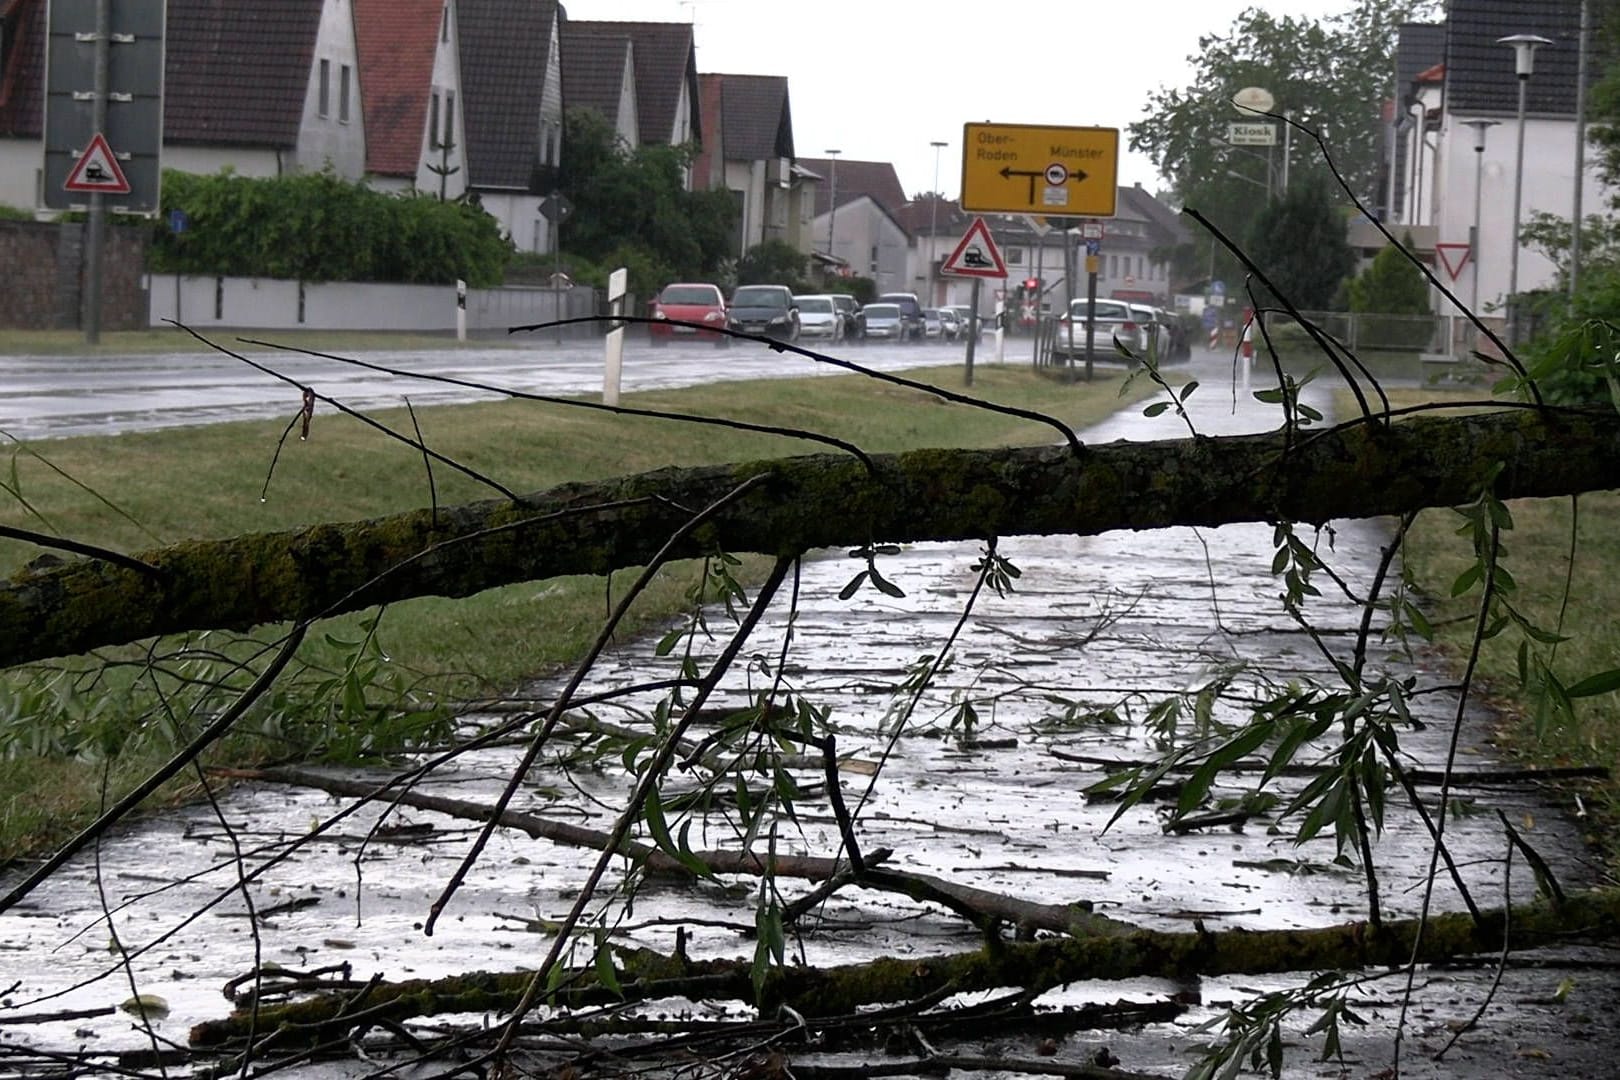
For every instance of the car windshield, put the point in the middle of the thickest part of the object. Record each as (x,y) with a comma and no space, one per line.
(690,294)
(1105,310)
(757,296)
(882,311)
(815,305)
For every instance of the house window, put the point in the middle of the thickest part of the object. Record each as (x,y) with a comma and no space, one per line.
(1015,256)
(343,95)
(449,119)
(433,122)
(324,106)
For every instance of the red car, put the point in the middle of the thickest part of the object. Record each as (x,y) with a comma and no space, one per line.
(688,302)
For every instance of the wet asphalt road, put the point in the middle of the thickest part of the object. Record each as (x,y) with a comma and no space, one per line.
(56,396)
(1115,621)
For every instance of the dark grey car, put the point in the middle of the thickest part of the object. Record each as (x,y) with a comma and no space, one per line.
(764,309)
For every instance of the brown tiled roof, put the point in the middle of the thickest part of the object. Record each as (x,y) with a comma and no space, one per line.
(755,122)
(505,47)
(397,40)
(856,178)
(21,87)
(708,170)
(919,215)
(236,72)
(665,62)
(593,69)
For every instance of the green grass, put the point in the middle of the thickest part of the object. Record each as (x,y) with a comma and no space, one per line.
(138,491)
(1583,598)
(169,339)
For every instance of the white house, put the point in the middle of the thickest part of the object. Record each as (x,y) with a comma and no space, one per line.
(1476,85)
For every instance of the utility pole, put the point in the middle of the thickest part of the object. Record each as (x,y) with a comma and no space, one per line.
(96,231)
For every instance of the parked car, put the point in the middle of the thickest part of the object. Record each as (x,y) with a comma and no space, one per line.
(1108,321)
(883,321)
(850,312)
(910,311)
(688,302)
(819,317)
(964,317)
(765,309)
(1158,334)
(933,323)
(950,324)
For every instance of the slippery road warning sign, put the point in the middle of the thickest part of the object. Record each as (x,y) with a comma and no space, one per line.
(97,170)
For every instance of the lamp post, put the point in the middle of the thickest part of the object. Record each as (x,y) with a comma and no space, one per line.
(832,202)
(1224,145)
(1480,128)
(1524,63)
(933,222)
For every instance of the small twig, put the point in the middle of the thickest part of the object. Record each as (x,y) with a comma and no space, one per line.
(77,547)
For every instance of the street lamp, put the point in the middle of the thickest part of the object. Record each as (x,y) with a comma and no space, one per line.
(933,221)
(832,202)
(1524,63)
(1224,145)
(1480,128)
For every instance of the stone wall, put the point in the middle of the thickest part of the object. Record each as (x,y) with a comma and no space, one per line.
(45,275)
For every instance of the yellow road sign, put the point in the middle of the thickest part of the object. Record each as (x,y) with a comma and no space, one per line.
(1020,169)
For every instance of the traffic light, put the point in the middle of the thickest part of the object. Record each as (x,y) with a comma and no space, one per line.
(1032,285)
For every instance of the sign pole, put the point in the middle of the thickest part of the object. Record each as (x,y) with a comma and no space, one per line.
(90,310)
(973,331)
(1091,310)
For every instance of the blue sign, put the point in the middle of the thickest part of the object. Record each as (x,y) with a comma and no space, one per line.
(1093,247)
(1210,316)
(179,222)
(1217,288)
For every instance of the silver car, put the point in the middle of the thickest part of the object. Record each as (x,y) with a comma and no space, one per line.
(819,317)
(1109,321)
(884,321)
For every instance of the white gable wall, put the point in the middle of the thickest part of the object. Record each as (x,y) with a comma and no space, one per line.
(327,136)
(448,154)
(1549,186)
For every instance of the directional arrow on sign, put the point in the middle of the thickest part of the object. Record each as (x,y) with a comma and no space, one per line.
(1008,172)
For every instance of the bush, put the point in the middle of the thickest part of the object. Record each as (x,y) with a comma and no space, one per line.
(1392,285)
(320,227)
(775,262)
(13,213)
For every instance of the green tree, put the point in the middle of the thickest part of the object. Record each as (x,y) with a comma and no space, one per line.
(631,207)
(1391,285)
(1299,241)
(1329,74)
(775,262)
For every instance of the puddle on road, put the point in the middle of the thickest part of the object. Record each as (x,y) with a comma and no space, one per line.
(1098,623)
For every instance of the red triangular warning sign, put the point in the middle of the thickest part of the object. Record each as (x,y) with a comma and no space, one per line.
(1453,257)
(976,255)
(97,170)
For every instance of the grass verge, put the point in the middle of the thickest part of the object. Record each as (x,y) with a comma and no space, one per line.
(138,491)
(1561,554)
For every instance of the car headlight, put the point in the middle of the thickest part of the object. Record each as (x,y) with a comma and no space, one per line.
(658,313)
(712,316)
(778,319)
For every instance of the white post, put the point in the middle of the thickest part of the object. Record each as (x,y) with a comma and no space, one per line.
(461,310)
(614,360)
(1001,334)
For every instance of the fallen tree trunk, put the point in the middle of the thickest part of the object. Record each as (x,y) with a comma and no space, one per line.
(1357,470)
(1037,966)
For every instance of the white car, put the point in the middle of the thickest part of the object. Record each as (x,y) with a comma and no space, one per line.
(1109,321)
(819,317)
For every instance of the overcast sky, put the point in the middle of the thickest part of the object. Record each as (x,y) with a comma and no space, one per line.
(881,79)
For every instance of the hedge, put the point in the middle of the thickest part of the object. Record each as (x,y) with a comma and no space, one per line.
(320,227)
